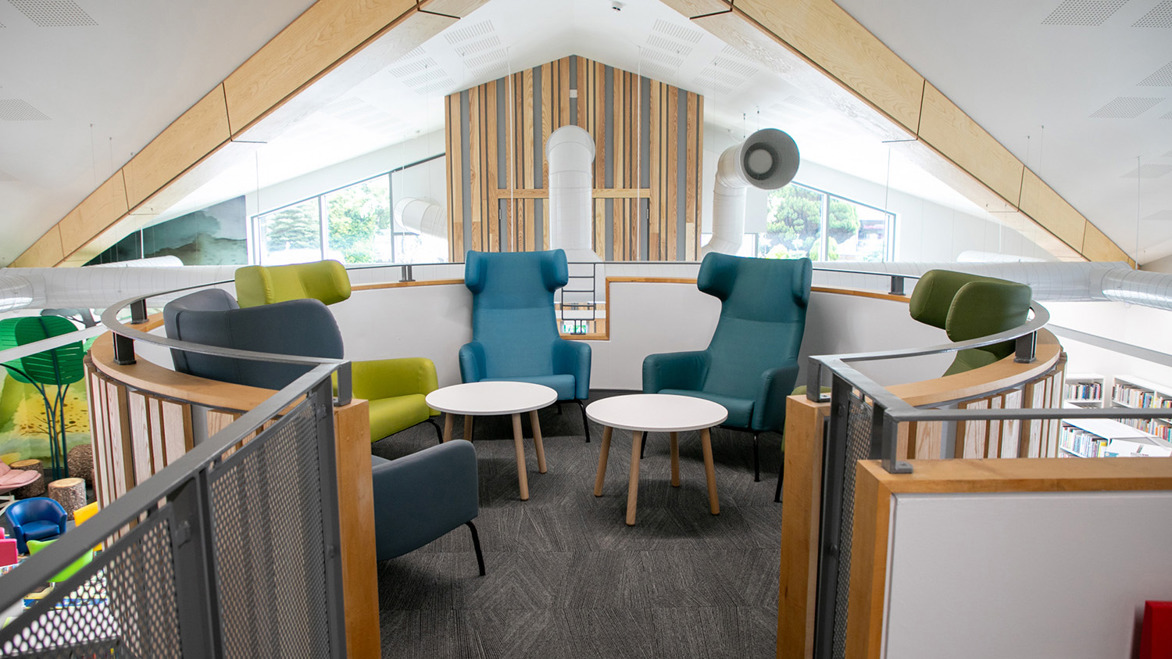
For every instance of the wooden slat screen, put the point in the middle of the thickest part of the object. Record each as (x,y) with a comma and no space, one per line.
(648,139)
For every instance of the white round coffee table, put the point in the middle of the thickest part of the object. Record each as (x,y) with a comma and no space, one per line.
(495,398)
(643,413)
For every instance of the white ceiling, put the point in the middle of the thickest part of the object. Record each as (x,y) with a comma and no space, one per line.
(1000,62)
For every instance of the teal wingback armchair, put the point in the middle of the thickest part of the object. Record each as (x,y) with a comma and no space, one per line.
(396,388)
(751,363)
(968,307)
(514,328)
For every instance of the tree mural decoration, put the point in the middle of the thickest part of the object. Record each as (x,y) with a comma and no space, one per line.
(58,367)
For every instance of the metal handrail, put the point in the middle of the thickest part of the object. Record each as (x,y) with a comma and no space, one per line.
(40,567)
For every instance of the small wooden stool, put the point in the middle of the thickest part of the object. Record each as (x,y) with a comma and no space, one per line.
(35,488)
(69,492)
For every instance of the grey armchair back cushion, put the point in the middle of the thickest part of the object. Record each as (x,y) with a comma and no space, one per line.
(297,327)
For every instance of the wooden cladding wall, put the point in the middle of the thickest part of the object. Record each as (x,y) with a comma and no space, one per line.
(648,142)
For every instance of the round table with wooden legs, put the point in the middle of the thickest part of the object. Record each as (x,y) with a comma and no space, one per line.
(492,399)
(643,413)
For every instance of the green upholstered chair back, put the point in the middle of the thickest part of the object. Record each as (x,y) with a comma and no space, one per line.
(967,307)
(322,280)
(762,319)
(512,309)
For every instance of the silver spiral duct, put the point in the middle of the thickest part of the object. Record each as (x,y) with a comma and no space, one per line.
(97,287)
(1050,281)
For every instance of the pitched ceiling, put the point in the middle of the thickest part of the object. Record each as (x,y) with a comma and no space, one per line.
(1012,69)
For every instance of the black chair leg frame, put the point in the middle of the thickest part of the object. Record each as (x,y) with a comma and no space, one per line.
(780,475)
(439,432)
(476,546)
(585,421)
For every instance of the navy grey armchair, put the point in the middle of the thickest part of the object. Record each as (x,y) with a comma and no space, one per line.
(514,328)
(751,363)
(422,496)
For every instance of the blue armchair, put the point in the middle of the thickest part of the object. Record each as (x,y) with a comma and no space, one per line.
(422,496)
(36,518)
(751,363)
(514,329)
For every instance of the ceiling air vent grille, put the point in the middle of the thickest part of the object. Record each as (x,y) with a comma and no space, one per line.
(14,109)
(1161,78)
(1083,12)
(1125,107)
(460,35)
(675,31)
(1159,16)
(54,13)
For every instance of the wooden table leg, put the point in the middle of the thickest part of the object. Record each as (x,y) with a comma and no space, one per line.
(602,456)
(633,487)
(675,459)
(522,478)
(448,426)
(468,427)
(709,471)
(537,441)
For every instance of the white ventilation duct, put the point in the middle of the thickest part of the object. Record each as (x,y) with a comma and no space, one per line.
(569,152)
(767,159)
(422,216)
(97,287)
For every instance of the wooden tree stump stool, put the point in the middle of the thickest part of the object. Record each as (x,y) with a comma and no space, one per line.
(69,492)
(81,462)
(35,488)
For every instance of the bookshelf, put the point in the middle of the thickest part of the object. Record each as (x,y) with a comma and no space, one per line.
(1104,438)
(1135,393)
(1083,391)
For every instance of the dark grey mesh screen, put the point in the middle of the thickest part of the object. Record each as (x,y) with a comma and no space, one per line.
(270,546)
(858,444)
(122,605)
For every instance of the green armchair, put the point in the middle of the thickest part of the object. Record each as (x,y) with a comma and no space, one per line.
(969,307)
(395,388)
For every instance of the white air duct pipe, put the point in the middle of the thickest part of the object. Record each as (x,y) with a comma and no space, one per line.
(96,287)
(421,215)
(767,159)
(569,152)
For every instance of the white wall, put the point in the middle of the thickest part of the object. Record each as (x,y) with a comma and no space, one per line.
(1128,323)
(1024,575)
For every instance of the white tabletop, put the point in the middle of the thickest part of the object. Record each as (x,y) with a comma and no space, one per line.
(487,398)
(656,412)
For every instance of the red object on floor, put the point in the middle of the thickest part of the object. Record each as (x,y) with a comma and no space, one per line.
(1156,638)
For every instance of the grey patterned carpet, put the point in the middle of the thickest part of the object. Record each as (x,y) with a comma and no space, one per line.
(568,578)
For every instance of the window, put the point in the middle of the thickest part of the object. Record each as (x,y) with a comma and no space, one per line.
(803,221)
(354,224)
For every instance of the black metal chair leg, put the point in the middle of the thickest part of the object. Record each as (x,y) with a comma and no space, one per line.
(476,546)
(780,475)
(439,432)
(756,458)
(585,421)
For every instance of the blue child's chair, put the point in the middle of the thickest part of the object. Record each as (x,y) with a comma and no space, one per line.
(514,330)
(36,518)
(751,364)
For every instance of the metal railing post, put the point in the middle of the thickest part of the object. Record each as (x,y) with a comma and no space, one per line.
(197,595)
(323,412)
(897,285)
(1025,348)
(123,350)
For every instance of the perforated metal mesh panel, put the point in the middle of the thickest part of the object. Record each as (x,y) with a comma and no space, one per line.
(123,605)
(858,443)
(270,545)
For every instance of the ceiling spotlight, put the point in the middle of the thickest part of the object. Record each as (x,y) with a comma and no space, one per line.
(616,5)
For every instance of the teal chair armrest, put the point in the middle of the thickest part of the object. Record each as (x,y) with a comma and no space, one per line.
(573,358)
(674,370)
(472,362)
(769,408)
(387,378)
(422,496)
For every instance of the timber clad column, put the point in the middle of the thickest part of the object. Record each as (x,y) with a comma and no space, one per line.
(648,139)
